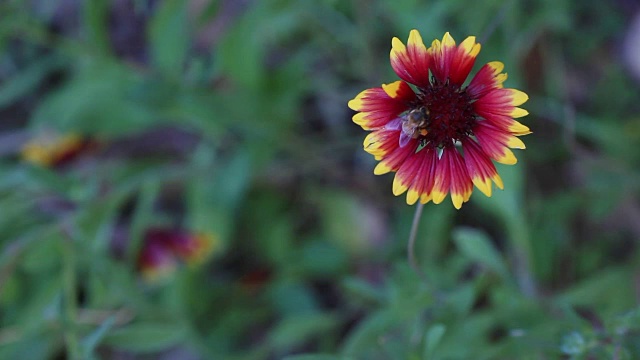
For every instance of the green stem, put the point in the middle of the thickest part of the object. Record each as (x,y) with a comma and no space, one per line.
(524,257)
(412,241)
(70,305)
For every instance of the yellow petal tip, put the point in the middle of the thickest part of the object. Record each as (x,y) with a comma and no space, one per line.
(398,187)
(447,40)
(457,200)
(519,97)
(515,143)
(518,113)
(497,66)
(508,158)
(519,129)
(425,198)
(392,88)
(437,197)
(415,38)
(381,169)
(470,47)
(412,196)
(397,46)
(484,185)
(354,104)
(498,181)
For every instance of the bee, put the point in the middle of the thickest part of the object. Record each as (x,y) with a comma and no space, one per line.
(412,125)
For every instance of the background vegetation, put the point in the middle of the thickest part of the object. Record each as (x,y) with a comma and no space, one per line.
(228,118)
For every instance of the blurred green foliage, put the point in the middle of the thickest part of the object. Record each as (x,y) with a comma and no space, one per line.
(229,117)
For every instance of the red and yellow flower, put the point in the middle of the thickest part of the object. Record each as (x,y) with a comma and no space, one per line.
(163,247)
(441,137)
(52,149)
(156,262)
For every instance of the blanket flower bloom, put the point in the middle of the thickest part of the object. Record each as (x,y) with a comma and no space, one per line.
(441,137)
(53,149)
(163,247)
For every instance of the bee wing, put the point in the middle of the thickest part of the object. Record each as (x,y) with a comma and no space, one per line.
(404,139)
(395,124)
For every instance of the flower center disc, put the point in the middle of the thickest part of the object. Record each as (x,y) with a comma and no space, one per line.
(451,115)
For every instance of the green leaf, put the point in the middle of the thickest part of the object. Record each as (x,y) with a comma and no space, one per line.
(25,81)
(597,290)
(368,332)
(169,37)
(317,357)
(96,220)
(293,298)
(42,306)
(38,346)
(432,339)
(296,329)
(345,219)
(204,210)
(462,298)
(241,51)
(507,203)
(573,344)
(356,287)
(99,99)
(321,258)
(147,337)
(96,21)
(93,339)
(38,259)
(231,187)
(142,218)
(476,246)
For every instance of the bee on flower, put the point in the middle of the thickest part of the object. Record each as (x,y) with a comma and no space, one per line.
(443,137)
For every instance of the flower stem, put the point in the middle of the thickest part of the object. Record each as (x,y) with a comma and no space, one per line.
(412,241)
(69,282)
(523,254)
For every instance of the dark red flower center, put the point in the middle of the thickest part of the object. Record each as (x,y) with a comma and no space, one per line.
(451,115)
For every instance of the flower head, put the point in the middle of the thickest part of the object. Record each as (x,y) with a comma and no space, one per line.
(193,248)
(441,137)
(163,247)
(156,262)
(53,149)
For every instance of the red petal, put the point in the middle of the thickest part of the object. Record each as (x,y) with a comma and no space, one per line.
(480,168)
(487,79)
(496,142)
(378,106)
(461,184)
(442,181)
(411,62)
(424,176)
(394,155)
(451,62)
